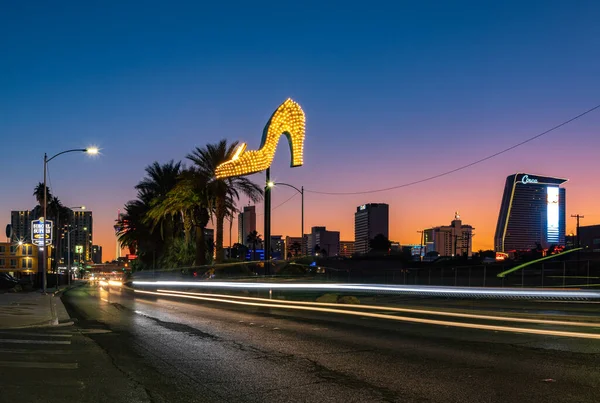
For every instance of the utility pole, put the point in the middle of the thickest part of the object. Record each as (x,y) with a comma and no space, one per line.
(421,250)
(578,216)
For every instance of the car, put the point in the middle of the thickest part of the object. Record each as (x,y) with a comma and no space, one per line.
(7,281)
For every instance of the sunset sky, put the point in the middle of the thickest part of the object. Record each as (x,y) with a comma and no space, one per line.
(393,92)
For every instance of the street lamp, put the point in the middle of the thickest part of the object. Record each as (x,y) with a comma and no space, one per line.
(271,184)
(91,151)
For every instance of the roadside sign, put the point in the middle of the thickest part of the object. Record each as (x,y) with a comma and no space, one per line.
(37,232)
(78,248)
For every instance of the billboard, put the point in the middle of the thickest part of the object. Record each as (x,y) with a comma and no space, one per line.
(37,232)
(553,214)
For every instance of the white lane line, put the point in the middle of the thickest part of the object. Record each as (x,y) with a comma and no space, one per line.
(43,365)
(19,341)
(37,334)
(29,351)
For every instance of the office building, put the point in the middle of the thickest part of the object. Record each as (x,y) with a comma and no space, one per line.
(277,247)
(370,220)
(323,242)
(589,238)
(97,254)
(455,239)
(20,220)
(246,224)
(346,248)
(81,236)
(532,213)
(293,247)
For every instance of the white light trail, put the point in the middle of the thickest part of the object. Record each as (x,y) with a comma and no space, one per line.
(394,309)
(422,290)
(507,329)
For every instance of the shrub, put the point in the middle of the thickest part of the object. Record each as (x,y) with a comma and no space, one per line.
(348,299)
(329,298)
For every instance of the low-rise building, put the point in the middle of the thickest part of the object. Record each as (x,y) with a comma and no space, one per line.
(18,259)
(346,248)
(322,241)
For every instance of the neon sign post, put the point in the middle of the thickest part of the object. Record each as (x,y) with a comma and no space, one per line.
(289,120)
(38,234)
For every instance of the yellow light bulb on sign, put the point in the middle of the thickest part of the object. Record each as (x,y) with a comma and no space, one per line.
(289,120)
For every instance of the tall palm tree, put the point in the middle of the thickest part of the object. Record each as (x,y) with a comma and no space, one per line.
(133,229)
(225,191)
(254,239)
(190,198)
(159,180)
(38,192)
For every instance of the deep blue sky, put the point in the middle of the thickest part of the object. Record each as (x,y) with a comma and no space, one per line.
(393,91)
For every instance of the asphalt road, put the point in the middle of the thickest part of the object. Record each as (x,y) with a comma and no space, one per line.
(166,350)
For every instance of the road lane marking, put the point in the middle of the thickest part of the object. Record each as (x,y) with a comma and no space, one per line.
(36,334)
(43,365)
(28,351)
(19,341)
(391,317)
(404,310)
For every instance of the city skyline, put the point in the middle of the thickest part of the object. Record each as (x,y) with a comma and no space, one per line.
(391,95)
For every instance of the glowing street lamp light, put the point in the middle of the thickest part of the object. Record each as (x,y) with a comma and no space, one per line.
(90,151)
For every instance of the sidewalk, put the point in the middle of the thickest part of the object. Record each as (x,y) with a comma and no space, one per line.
(31,309)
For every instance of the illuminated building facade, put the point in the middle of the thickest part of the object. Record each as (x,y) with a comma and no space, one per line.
(21,224)
(97,254)
(346,248)
(19,259)
(370,220)
(81,237)
(455,239)
(532,213)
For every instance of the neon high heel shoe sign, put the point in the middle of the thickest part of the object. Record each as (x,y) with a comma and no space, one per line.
(287,120)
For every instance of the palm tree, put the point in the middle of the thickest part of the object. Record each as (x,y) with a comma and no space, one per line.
(133,229)
(38,192)
(295,248)
(159,180)
(191,200)
(226,192)
(254,239)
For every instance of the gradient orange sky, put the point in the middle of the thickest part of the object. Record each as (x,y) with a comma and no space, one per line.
(392,94)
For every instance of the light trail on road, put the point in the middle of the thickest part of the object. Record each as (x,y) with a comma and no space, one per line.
(384,316)
(394,309)
(464,292)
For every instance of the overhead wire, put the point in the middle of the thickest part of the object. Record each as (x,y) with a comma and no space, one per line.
(460,168)
(280,204)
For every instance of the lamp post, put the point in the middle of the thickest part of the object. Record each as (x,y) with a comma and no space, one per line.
(91,151)
(271,184)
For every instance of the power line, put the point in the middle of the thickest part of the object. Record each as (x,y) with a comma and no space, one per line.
(463,166)
(280,204)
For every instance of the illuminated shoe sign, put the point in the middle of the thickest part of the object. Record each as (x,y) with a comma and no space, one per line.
(287,120)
